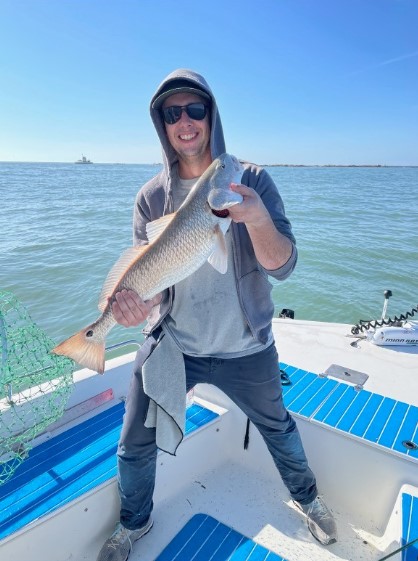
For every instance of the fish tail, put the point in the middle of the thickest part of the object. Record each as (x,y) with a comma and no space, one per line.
(85,348)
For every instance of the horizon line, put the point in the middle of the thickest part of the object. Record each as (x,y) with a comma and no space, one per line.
(261,165)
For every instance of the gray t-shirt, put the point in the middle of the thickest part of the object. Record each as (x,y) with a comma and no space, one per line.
(206,318)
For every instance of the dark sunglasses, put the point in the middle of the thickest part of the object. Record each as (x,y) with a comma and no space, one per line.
(196,111)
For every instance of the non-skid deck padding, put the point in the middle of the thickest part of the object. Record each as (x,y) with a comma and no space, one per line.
(360,413)
(68,465)
(409,526)
(203,538)
(307,391)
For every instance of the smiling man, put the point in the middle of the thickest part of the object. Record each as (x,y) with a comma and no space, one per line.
(189,137)
(237,354)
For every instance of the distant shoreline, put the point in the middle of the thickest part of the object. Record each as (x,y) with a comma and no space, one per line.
(336,166)
(261,165)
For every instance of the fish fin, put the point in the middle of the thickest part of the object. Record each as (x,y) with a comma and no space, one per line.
(219,257)
(224,224)
(128,257)
(156,227)
(87,353)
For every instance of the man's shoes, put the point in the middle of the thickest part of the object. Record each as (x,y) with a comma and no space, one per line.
(119,545)
(321,523)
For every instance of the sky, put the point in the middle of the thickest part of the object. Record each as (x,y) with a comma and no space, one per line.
(296,81)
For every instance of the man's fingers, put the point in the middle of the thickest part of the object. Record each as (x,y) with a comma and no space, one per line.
(242,189)
(130,310)
(125,308)
(156,299)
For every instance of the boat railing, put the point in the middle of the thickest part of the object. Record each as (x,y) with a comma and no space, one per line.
(126,343)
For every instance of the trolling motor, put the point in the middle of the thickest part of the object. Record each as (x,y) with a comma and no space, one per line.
(387,332)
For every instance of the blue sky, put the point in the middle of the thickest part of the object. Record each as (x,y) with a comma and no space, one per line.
(297,81)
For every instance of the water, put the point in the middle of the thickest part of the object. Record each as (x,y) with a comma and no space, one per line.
(62,227)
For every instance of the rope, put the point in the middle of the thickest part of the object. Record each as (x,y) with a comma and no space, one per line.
(247,435)
(399,550)
(285,381)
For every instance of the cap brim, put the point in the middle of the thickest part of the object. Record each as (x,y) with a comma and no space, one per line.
(159,100)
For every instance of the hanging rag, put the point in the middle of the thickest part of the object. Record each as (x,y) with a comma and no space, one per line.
(164,380)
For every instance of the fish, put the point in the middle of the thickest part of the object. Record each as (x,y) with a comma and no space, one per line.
(178,245)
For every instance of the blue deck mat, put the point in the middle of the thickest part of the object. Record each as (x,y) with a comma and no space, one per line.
(68,465)
(362,414)
(83,457)
(409,526)
(205,539)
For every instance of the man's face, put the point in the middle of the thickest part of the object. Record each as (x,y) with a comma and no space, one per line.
(188,137)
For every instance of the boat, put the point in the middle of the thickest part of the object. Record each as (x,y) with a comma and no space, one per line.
(221,498)
(83,160)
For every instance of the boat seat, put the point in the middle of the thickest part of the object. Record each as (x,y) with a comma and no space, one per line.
(204,537)
(69,465)
(370,417)
(409,526)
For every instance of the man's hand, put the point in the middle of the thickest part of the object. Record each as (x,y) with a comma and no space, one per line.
(252,210)
(130,310)
(271,248)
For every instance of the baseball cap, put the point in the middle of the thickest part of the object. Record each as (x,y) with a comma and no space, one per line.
(175,87)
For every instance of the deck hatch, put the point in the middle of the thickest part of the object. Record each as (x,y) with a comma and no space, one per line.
(68,465)
(361,414)
(409,526)
(204,538)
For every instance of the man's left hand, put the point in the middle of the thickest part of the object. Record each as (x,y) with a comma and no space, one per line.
(252,210)
(271,248)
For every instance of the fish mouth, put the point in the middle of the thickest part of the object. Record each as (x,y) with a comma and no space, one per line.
(220,213)
(224,212)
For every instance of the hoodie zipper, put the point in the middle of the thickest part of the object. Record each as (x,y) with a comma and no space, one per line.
(234,232)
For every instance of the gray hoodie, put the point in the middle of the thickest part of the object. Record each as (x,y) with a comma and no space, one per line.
(156,199)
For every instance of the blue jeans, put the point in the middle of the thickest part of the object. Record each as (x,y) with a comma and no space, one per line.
(253,383)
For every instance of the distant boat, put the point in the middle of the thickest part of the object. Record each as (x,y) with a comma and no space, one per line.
(83,160)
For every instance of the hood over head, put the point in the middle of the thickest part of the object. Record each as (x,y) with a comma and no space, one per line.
(175,87)
(183,80)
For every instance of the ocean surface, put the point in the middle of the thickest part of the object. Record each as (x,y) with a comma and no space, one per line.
(62,226)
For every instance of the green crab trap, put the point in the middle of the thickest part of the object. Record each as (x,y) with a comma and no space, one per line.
(34,384)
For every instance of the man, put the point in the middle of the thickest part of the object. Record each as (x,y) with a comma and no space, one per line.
(237,354)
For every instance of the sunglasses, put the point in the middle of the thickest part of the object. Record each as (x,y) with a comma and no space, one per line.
(196,111)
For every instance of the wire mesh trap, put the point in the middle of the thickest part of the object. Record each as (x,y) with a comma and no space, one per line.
(34,384)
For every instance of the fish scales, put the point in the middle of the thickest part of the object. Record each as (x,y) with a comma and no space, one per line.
(191,236)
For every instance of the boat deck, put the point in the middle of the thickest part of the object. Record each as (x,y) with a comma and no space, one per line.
(359,441)
(205,538)
(69,465)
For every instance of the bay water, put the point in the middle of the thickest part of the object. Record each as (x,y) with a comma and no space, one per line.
(62,226)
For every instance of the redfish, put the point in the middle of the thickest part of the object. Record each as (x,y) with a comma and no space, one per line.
(178,244)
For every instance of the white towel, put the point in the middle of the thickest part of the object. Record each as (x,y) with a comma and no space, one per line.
(164,379)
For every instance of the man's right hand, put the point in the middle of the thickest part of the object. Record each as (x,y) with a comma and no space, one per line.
(130,310)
